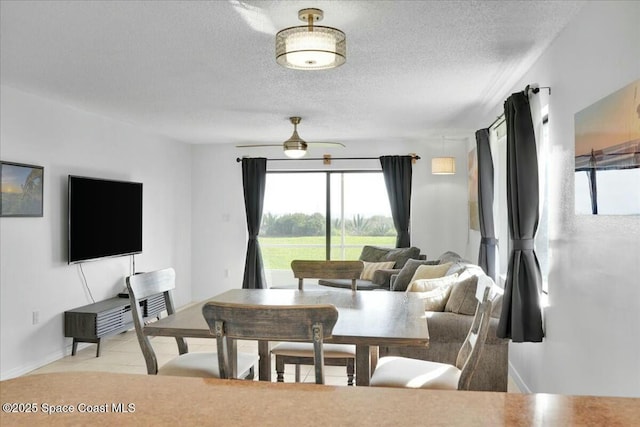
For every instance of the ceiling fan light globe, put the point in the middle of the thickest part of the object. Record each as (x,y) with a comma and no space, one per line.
(295,153)
(295,149)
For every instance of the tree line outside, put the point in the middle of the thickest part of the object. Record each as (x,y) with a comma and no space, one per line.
(300,224)
(302,236)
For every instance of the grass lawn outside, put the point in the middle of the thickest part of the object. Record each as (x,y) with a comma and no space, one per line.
(278,252)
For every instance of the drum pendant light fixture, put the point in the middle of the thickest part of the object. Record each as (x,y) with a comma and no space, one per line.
(311,47)
(443,165)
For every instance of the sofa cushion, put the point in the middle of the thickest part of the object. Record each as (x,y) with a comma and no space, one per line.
(399,255)
(370,268)
(451,327)
(496,311)
(430,271)
(406,273)
(463,296)
(448,327)
(434,292)
(465,270)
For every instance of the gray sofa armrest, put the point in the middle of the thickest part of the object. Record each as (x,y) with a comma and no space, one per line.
(382,278)
(392,279)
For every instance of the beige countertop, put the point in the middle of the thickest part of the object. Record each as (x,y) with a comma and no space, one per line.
(127,399)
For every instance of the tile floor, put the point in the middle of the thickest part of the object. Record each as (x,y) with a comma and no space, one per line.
(121,353)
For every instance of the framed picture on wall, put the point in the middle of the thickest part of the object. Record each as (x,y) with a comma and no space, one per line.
(21,189)
(472,170)
(607,160)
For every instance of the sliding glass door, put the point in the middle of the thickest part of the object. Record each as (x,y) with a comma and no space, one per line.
(360,214)
(322,215)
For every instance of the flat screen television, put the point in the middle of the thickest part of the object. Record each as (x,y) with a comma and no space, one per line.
(105,218)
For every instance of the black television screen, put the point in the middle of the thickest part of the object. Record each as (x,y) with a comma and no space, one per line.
(105,218)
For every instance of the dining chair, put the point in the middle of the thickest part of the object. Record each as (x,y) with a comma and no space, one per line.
(198,364)
(303,323)
(302,353)
(393,371)
(306,269)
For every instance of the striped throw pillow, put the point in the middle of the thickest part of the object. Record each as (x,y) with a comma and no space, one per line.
(371,267)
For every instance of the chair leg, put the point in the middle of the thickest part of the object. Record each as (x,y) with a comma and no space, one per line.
(251,373)
(280,369)
(297,373)
(350,371)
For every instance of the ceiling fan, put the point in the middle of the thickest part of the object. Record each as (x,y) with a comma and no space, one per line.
(295,147)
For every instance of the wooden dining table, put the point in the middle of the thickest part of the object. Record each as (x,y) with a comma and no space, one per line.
(365,319)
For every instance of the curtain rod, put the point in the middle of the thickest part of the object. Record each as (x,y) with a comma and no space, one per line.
(500,118)
(537,89)
(497,121)
(415,157)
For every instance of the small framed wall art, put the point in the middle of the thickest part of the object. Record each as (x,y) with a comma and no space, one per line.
(21,189)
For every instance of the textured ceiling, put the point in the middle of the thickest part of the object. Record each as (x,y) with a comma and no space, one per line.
(205,72)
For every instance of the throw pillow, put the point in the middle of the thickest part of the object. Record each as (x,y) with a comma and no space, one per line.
(430,271)
(370,268)
(434,292)
(398,255)
(449,256)
(404,276)
(402,255)
(463,296)
(374,254)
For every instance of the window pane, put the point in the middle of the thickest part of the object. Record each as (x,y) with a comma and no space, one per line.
(617,192)
(500,217)
(293,219)
(360,214)
(542,234)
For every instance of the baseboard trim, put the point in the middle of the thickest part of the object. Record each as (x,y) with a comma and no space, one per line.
(517,379)
(52,357)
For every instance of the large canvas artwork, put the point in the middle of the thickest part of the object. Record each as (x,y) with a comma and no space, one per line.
(474,219)
(21,189)
(607,159)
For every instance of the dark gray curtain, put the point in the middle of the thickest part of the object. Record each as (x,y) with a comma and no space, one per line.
(254,177)
(397,172)
(521,318)
(488,242)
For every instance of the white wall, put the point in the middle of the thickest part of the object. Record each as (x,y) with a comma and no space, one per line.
(593,321)
(34,275)
(439,204)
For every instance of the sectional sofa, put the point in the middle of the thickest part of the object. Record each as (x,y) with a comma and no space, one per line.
(450,323)
(449,327)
